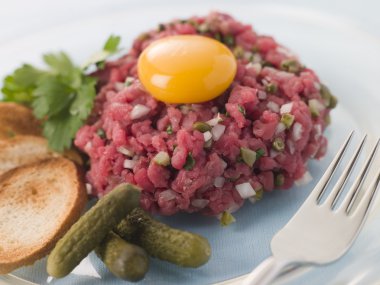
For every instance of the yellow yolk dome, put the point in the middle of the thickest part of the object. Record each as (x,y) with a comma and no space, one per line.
(186,69)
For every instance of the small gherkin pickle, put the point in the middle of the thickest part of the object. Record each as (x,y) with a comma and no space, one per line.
(125,260)
(89,231)
(202,127)
(161,241)
(248,156)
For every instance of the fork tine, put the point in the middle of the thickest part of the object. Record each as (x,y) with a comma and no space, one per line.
(338,188)
(353,192)
(367,200)
(320,188)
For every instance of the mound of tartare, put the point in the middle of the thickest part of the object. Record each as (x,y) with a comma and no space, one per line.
(208,157)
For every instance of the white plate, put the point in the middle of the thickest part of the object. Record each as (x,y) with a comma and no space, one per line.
(344,57)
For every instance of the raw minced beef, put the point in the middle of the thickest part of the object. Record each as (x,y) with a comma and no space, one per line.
(262,132)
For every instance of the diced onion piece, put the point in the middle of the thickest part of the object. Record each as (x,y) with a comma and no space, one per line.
(273,153)
(291,146)
(213,122)
(217,131)
(252,199)
(125,151)
(128,81)
(233,208)
(285,51)
(139,111)
(207,136)
(119,86)
(245,190)
(129,164)
(262,95)
(162,158)
(214,109)
(274,107)
(286,108)
(280,128)
(318,131)
(199,203)
(317,85)
(297,131)
(224,164)
(305,179)
(257,58)
(89,188)
(167,195)
(255,66)
(219,181)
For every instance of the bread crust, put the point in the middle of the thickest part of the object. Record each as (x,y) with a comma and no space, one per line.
(23,149)
(62,171)
(16,119)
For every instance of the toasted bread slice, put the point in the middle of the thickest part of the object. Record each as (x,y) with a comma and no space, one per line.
(22,150)
(38,204)
(16,119)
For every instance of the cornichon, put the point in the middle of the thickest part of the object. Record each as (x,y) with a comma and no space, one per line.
(91,229)
(161,241)
(125,260)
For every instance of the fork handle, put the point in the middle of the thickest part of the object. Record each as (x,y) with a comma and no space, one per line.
(266,272)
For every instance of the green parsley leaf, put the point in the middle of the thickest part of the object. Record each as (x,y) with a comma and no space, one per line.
(83,102)
(110,47)
(19,86)
(112,44)
(62,96)
(51,96)
(61,129)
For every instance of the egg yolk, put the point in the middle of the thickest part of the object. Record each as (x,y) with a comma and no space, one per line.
(186,69)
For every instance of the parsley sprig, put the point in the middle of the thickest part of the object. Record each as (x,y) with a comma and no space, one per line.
(61,96)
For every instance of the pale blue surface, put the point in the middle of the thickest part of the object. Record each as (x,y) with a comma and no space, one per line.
(324,42)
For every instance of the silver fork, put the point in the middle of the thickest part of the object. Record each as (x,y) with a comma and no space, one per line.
(318,233)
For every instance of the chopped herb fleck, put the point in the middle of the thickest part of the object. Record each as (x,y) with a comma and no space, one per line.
(259,153)
(242,110)
(271,88)
(278,144)
(190,162)
(279,180)
(128,81)
(101,133)
(169,130)
(265,63)
(229,40)
(218,37)
(161,27)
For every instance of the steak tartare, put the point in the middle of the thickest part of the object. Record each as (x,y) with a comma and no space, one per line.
(208,157)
